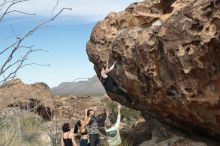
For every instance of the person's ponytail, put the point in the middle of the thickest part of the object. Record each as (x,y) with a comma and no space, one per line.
(76,129)
(77,125)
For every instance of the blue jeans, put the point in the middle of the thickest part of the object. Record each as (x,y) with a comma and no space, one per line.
(83,142)
(94,140)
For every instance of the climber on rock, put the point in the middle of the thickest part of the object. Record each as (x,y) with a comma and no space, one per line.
(110,85)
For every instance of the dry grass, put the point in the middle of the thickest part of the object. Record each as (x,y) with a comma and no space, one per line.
(21,130)
(125,142)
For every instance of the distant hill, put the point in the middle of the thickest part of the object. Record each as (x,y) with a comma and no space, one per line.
(91,86)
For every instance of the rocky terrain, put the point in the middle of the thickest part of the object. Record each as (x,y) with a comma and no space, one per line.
(35,98)
(39,99)
(168,61)
(92,86)
(20,99)
(34,106)
(71,108)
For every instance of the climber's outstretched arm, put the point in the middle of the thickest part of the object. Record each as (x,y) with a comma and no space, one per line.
(107,65)
(107,70)
(111,68)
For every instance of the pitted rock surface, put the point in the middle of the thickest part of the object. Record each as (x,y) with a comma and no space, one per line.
(168,60)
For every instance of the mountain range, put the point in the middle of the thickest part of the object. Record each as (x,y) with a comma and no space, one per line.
(92,86)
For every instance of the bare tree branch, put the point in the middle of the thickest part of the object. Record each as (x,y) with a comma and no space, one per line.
(18,43)
(14,35)
(12,74)
(23,58)
(8,37)
(29,64)
(5,2)
(54,8)
(9,47)
(20,64)
(20,12)
(43,23)
(7,65)
(14,2)
(11,64)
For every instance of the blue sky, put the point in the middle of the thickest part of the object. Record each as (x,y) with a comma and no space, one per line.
(64,39)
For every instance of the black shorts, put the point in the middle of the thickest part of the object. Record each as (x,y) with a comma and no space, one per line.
(109,84)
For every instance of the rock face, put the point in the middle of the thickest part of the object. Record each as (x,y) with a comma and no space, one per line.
(168,60)
(36,97)
(140,133)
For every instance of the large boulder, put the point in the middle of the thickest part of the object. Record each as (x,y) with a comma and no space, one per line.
(168,60)
(35,98)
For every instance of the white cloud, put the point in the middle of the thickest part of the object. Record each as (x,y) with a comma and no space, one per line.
(88,9)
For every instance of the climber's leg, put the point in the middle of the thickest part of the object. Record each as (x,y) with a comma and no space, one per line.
(111,86)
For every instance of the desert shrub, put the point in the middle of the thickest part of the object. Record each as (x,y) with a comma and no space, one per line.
(125,142)
(21,128)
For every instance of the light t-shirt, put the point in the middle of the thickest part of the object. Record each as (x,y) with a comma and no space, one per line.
(113,133)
